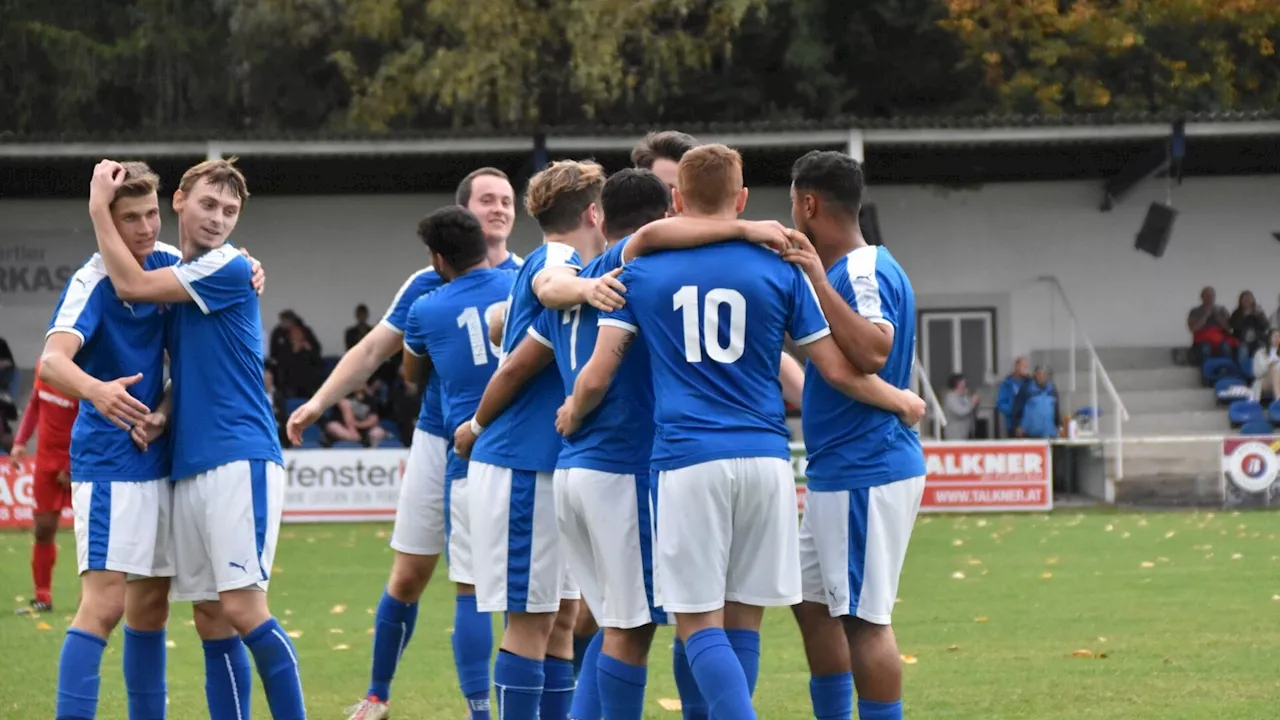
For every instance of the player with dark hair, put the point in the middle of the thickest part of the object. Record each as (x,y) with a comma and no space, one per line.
(866,468)
(726,501)
(661,153)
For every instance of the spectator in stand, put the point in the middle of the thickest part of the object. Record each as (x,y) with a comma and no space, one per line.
(1266,368)
(1210,327)
(1035,410)
(277,400)
(300,367)
(1008,391)
(354,419)
(8,373)
(8,415)
(1249,327)
(959,405)
(280,336)
(356,332)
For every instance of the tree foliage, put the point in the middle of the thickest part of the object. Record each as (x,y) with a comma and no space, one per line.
(1056,56)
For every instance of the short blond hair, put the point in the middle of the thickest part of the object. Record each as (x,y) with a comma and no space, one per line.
(558,195)
(139,181)
(710,177)
(221,173)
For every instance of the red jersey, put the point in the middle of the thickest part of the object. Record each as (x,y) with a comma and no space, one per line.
(56,414)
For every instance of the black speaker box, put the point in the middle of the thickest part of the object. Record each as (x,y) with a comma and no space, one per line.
(1153,238)
(869,221)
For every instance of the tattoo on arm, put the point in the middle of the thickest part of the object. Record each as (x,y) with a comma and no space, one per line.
(621,350)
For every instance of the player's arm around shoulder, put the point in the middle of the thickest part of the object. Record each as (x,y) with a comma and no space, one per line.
(215,281)
(612,343)
(529,357)
(111,398)
(681,232)
(868,388)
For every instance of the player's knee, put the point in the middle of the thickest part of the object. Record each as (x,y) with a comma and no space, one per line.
(45,528)
(585,624)
(409,576)
(211,623)
(101,609)
(630,645)
(147,605)
(566,618)
(744,617)
(245,609)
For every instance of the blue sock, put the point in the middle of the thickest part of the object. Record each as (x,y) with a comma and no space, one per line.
(832,696)
(622,688)
(557,690)
(580,645)
(719,674)
(78,675)
(278,667)
(519,682)
(144,673)
(746,645)
(472,648)
(872,710)
(586,699)
(228,679)
(392,629)
(694,707)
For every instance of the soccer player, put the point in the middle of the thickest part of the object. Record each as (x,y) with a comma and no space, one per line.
(445,332)
(419,535)
(661,153)
(229,488)
(55,414)
(727,536)
(512,462)
(866,468)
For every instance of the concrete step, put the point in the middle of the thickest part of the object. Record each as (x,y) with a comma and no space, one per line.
(1141,402)
(1113,358)
(1149,467)
(1169,423)
(1169,378)
(1190,447)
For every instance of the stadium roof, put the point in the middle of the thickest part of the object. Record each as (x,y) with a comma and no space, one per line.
(855,133)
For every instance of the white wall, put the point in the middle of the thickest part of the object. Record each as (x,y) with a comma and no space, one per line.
(963,248)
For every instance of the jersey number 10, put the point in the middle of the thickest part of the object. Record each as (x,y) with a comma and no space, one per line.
(686,301)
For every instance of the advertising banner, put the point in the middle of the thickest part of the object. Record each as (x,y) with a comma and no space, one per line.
(16,499)
(1249,469)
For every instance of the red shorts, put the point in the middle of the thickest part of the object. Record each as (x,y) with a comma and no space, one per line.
(50,496)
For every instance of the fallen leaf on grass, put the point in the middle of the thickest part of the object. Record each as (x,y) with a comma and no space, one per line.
(1051,561)
(42,625)
(953,648)
(381,534)
(1236,556)
(1046,576)
(909,660)
(1275,597)
(1169,534)
(368,611)
(288,611)
(170,644)
(369,631)
(295,634)
(341,647)
(311,541)
(19,599)
(277,569)
(670,704)
(1110,527)
(957,542)
(982,523)
(1142,522)
(897,600)
(980,619)
(1210,555)
(975,561)
(1083,654)
(335,631)
(338,609)
(1148,564)
(957,575)
(1102,639)
(1124,536)
(190,623)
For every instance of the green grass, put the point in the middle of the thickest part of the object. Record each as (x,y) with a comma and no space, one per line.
(1193,635)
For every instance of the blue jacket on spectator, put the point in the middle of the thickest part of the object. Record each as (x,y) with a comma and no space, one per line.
(1035,410)
(1005,396)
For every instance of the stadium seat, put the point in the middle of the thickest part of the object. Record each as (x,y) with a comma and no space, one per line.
(1257,428)
(312,436)
(329,362)
(291,404)
(310,444)
(1243,412)
(1273,412)
(1230,389)
(1219,367)
(392,428)
(346,445)
(390,442)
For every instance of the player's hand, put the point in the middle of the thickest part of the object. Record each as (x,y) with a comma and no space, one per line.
(145,432)
(64,478)
(606,292)
(113,401)
(17,454)
(304,417)
(463,440)
(108,176)
(259,279)
(770,233)
(567,420)
(913,408)
(802,253)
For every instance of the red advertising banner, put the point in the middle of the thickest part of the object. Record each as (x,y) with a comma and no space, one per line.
(988,476)
(16,501)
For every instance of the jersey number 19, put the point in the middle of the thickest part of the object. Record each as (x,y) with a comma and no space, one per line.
(686,301)
(470,319)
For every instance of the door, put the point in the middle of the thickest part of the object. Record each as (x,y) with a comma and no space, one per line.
(958,341)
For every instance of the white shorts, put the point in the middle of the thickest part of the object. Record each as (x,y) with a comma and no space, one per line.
(514,531)
(458,531)
(727,532)
(226,522)
(853,544)
(420,511)
(124,527)
(606,526)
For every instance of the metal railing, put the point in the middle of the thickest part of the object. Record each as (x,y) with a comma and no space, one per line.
(1096,372)
(930,399)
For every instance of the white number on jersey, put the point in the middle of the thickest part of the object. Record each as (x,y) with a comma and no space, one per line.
(686,300)
(572,317)
(470,319)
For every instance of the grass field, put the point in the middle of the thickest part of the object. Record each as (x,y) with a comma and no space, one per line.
(1177,610)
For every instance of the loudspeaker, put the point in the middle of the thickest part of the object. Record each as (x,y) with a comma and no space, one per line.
(869,221)
(1153,238)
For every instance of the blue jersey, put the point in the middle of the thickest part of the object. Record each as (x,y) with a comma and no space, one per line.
(852,445)
(714,319)
(450,325)
(431,418)
(117,339)
(524,435)
(221,411)
(618,436)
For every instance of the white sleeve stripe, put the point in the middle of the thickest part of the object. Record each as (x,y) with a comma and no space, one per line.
(207,264)
(387,324)
(608,322)
(68,330)
(79,289)
(814,336)
(538,336)
(400,293)
(191,289)
(545,268)
(412,352)
(880,321)
(861,266)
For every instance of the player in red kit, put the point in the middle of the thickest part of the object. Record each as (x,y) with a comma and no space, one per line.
(51,414)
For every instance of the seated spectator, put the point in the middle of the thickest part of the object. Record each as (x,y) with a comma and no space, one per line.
(1008,391)
(281,335)
(959,406)
(301,368)
(1035,410)
(354,419)
(356,333)
(1210,327)
(8,416)
(1249,326)
(1266,368)
(8,373)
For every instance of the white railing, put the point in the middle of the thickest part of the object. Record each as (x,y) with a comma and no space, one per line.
(930,399)
(1096,372)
